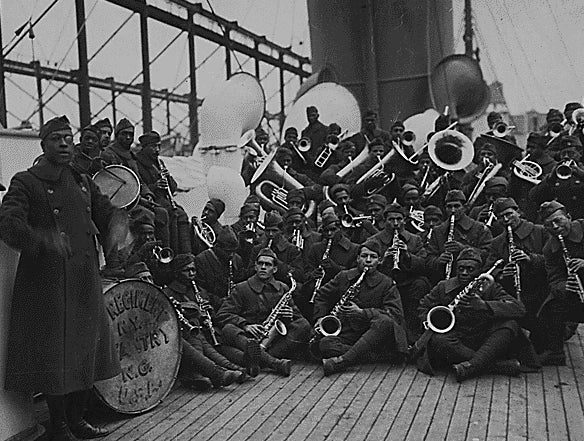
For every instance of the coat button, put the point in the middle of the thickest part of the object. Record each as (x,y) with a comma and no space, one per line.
(88,209)
(83,189)
(63,234)
(50,191)
(56,211)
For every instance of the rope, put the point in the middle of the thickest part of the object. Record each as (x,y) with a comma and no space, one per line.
(231,51)
(99,49)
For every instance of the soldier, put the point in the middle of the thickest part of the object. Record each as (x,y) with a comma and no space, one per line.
(407,271)
(530,285)
(105,132)
(466,232)
(495,188)
(87,157)
(565,270)
(59,338)
(212,211)
(485,325)
(371,317)
(243,313)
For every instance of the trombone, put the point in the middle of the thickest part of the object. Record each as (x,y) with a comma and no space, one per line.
(502,129)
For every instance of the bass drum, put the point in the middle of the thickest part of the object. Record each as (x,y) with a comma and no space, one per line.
(120,183)
(148,340)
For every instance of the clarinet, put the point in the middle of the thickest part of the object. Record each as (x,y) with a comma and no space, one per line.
(185,325)
(517,275)
(450,238)
(164,173)
(567,258)
(230,283)
(318,282)
(205,310)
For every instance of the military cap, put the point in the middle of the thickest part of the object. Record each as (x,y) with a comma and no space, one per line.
(394,207)
(501,204)
(267,252)
(329,218)
(497,181)
(273,219)
(371,245)
(104,123)
(455,195)
(149,138)
(217,205)
(548,208)
(226,239)
(54,125)
(470,254)
(432,210)
(123,124)
(180,261)
(376,199)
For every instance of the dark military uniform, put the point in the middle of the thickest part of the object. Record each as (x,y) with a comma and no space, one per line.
(251,302)
(360,139)
(479,335)
(59,338)
(378,333)
(213,275)
(466,231)
(531,239)
(569,192)
(411,282)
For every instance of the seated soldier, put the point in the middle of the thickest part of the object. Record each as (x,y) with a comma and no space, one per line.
(284,158)
(407,271)
(442,249)
(487,155)
(411,202)
(220,267)
(289,258)
(201,365)
(297,231)
(485,324)
(564,263)
(521,245)
(370,315)
(212,211)
(495,188)
(297,199)
(244,312)
(162,185)
(333,254)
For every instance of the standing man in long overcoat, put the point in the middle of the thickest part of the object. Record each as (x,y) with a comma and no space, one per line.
(59,340)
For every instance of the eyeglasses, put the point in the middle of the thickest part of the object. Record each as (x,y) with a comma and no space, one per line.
(55,137)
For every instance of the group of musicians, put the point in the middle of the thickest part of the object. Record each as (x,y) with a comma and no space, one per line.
(474,268)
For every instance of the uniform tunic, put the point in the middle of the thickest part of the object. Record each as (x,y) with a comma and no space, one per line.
(59,337)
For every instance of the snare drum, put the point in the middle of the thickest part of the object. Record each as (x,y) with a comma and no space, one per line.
(120,183)
(148,341)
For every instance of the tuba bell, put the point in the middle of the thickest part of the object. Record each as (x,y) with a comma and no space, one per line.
(272,184)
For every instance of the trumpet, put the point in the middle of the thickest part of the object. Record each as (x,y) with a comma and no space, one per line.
(450,238)
(517,274)
(249,232)
(502,129)
(350,221)
(490,215)
(164,173)
(318,282)
(304,144)
(408,138)
(163,255)
(567,257)
(441,319)
(564,170)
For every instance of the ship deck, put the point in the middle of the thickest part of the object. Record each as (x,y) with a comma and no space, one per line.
(372,402)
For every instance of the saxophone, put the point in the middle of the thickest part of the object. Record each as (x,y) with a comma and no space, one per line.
(206,312)
(517,274)
(330,325)
(318,282)
(449,239)
(272,324)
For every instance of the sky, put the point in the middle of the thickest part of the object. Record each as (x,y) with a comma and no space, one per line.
(529,45)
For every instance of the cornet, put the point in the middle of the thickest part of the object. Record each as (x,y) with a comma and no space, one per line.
(304,144)
(408,138)
(564,170)
(502,129)
(350,221)
(249,232)
(163,255)
(297,239)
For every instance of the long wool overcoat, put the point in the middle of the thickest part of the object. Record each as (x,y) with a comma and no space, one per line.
(59,337)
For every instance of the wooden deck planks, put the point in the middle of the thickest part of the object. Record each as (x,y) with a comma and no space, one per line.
(304,419)
(427,409)
(244,424)
(554,405)
(372,402)
(517,427)
(343,405)
(499,409)
(354,413)
(440,422)
(395,376)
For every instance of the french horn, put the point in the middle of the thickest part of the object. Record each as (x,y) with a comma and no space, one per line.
(527,170)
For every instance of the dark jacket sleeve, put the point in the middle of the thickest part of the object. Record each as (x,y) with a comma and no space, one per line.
(231,308)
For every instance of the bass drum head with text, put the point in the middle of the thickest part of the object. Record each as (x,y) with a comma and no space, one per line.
(148,340)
